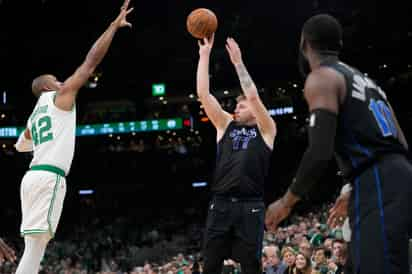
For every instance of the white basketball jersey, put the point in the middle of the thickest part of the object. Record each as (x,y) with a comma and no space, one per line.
(53,132)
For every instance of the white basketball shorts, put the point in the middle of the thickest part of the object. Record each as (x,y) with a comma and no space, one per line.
(42,194)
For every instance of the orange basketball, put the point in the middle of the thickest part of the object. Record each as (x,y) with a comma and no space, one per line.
(201,23)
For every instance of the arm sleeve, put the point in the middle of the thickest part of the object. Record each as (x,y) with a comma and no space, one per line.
(322,131)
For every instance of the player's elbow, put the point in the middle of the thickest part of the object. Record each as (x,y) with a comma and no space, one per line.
(19,148)
(275,129)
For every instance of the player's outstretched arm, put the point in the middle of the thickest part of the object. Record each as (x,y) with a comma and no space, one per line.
(25,142)
(67,94)
(265,122)
(219,118)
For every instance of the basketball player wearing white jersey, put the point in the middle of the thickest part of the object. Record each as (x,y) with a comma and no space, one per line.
(50,134)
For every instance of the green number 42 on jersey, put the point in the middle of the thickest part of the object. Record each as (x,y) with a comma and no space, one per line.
(41,130)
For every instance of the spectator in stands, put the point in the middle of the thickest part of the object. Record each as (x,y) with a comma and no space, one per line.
(328,244)
(271,260)
(305,248)
(338,249)
(108,249)
(229,267)
(180,147)
(337,262)
(320,260)
(303,227)
(289,259)
(317,235)
(196,268)
(303,264)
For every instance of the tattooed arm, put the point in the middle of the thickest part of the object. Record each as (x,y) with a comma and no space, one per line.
(264,121)
(246,82)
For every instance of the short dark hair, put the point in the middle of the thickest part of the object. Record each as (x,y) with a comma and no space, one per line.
(320,248)
(339,241)
(38,83)
(323,32)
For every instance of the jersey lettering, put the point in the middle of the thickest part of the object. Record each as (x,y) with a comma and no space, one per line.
(38,111)
(242,137)
(359,88)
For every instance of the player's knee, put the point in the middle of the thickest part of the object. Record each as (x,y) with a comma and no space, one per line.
(39,239)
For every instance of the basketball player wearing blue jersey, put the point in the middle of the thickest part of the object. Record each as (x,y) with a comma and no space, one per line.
(350,116)
(235,222)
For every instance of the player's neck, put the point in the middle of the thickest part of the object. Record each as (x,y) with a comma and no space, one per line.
(318,59)
(249,123)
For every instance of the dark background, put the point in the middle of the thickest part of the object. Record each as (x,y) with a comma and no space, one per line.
(54,36)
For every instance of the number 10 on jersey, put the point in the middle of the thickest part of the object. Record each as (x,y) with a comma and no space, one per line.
(383,117)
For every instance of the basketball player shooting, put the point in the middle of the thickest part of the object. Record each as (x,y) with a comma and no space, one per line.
(350,116)
(235,221)
(50,134)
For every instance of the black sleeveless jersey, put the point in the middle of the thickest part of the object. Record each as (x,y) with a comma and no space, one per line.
(242,162)
(366,127)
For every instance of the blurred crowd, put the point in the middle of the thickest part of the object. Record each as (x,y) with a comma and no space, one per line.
(305,245)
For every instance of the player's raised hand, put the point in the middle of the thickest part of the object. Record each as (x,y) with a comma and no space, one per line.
(121,20)
(206,47)
(233,49)
(6,252)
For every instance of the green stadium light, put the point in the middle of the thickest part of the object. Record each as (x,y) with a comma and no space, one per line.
(158,89)
(110,128)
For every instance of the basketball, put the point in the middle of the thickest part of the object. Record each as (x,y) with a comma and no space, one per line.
(201,23)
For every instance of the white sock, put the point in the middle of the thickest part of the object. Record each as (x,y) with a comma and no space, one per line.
(35,246)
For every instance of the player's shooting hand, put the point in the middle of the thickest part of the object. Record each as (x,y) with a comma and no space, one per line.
(339,211)
(6,252)
(206,47)
(275,213)
(121,20)
(233,49)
